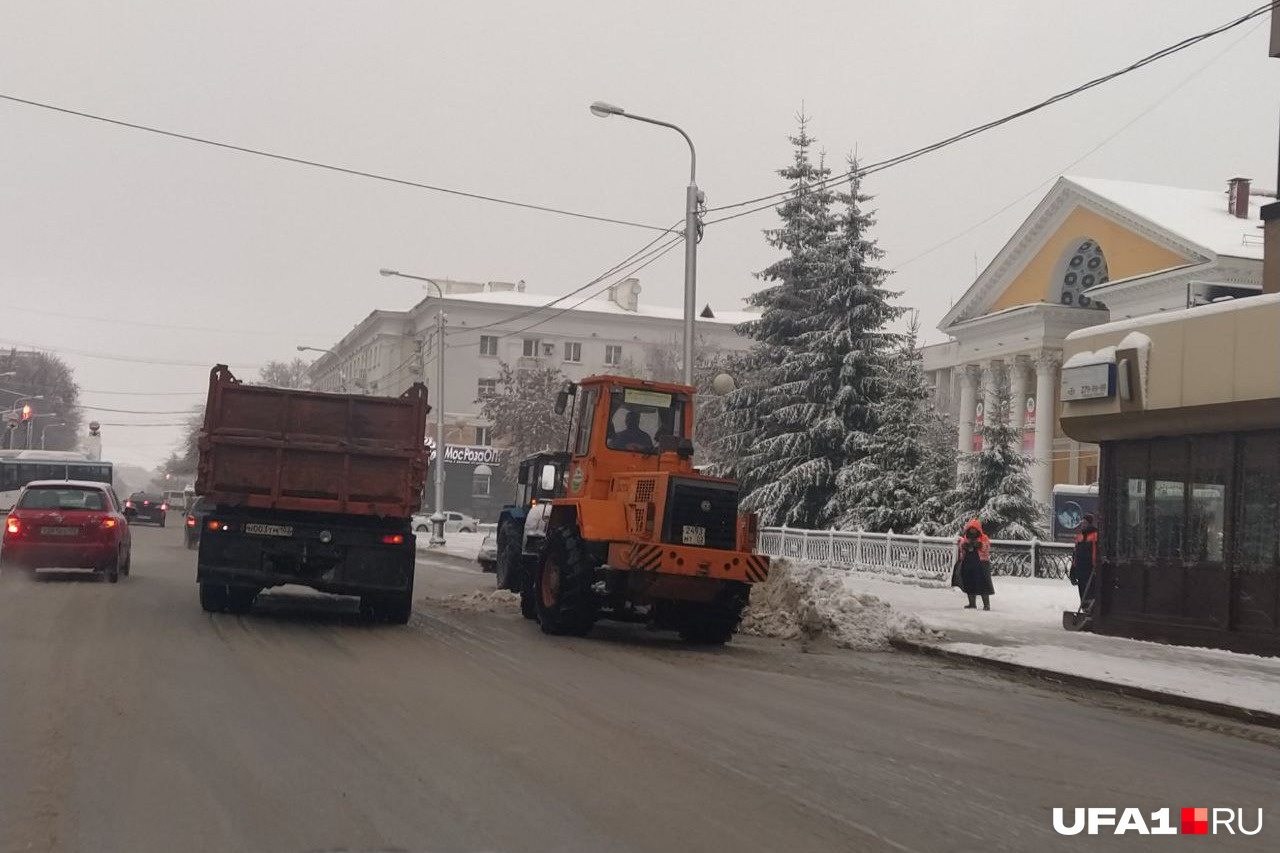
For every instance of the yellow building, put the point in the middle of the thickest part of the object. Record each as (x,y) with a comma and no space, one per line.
(1093,251)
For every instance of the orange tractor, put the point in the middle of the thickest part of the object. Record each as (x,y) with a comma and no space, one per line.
(634,532)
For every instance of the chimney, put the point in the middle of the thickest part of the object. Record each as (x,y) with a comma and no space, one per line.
(626,294)
(1238,197)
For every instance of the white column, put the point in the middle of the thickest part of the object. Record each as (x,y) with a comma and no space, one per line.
(968,403)
(1047,364)
(1018,393)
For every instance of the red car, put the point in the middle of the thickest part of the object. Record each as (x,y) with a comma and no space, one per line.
(67,524)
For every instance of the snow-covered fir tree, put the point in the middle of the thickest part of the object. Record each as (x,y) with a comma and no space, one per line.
(900,477)
(996,487)
(822,344)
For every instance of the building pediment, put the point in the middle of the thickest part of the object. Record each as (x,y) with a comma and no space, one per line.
(1076,239)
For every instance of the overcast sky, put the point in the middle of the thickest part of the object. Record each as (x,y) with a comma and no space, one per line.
(120,243)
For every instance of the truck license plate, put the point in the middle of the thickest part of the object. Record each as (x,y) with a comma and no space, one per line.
(59,531)
(269,529)
(695,535)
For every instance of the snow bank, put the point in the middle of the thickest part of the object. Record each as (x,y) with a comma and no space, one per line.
(1106,355)
(811,604)
(482,601)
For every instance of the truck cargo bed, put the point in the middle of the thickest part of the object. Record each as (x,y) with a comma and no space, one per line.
(287,449)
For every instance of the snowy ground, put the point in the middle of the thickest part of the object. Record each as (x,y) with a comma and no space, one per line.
(1025,627)
(465,545)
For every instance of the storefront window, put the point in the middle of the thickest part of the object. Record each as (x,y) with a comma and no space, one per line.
(1259,533)
(1206,521)
(1132,534)
(1128,515)
(1167,520)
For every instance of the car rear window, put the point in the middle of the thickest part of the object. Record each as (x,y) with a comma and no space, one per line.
(46,497)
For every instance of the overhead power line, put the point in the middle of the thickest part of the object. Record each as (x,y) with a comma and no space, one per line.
(316,164)
(881,165)
(124,358)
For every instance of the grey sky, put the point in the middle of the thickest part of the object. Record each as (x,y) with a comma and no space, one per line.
(260,256)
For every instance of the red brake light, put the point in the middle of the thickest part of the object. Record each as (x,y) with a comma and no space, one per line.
(12,527)
(393,539)
(128,505)
(108,523)
(146,503)
(164,507)
(191,521)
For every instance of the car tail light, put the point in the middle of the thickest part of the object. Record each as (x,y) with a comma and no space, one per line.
(393,539)
(108,523)
(191,521)
(164,507)
(146,503)
(129,505)
(12,527)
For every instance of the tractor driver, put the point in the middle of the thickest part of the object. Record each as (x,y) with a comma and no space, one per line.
(633,437)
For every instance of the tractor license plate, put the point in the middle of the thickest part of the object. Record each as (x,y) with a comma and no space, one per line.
(694,535)
(269,529)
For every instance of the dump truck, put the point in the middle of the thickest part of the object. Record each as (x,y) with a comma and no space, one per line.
(637,534)
(309,488)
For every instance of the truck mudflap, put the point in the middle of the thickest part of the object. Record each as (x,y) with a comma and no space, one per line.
(689,560)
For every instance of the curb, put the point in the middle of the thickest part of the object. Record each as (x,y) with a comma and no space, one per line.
(1220,709)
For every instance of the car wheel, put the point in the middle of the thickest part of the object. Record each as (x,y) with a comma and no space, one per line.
(128,563)
(113,569)
(421,528)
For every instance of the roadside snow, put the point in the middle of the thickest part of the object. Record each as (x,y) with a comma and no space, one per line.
(812,604)
(482,601)
(1024,626)
(465,545)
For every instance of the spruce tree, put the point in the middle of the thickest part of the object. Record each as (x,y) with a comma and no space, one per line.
(898,479)
(996,488)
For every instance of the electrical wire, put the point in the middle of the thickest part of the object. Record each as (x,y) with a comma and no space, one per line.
(124,358)
(141,323)
(634,256)
(147,393)
(301,161)
(881,165)
(133,411)
(1152,107)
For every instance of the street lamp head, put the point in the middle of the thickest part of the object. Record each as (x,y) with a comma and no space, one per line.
(384,271)
(301,348)
(604,110)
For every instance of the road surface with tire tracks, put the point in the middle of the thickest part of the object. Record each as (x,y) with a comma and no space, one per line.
(132,721)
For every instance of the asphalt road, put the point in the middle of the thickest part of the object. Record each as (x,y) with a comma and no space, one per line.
(131,721)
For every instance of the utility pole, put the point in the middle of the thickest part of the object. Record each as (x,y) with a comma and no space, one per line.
(437,517)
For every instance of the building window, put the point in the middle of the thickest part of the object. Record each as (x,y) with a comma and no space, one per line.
(481,481)
(489,345)
(613,355)
(572,352)
(1083,266)
(483,438)
(532,347)
(486,388)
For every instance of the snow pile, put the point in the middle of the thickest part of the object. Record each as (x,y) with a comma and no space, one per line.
(482,601)
(811,604)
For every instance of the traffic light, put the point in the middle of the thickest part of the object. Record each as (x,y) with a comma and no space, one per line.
(26,411)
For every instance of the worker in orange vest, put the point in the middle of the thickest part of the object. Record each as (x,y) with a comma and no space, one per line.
(1084,559)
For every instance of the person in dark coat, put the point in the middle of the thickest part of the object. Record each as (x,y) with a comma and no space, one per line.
(973,566)
(1084,559)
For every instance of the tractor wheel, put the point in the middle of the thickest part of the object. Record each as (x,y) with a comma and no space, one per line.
(713,623)
(565,602)
(509,564)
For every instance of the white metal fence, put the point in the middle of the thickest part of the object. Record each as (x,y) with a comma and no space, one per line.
(919,559)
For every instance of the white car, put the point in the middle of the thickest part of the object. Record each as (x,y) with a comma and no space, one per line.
(454,522)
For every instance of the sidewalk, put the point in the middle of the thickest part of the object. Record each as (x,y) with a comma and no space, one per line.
(460,546)
(1023,630)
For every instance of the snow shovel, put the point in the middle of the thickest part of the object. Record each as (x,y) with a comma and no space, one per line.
(1080,619)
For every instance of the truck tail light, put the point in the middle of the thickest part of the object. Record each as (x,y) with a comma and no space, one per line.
(393,539)
(214,524)
(751,531)
(12,527)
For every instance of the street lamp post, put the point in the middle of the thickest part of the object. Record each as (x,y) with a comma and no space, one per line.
(31,425)
(692,197)
(437,517)
(45,429)
(342,376)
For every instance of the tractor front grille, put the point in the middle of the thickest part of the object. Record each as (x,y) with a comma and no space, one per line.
(711,506)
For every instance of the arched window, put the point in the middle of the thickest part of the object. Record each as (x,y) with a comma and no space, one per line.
(1082,266)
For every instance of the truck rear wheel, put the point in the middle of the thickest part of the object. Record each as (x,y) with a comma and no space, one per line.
(565,603)
(509,563)
(713,623)
(213,597)
(240,598)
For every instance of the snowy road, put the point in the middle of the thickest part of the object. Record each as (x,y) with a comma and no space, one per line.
(132,721)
